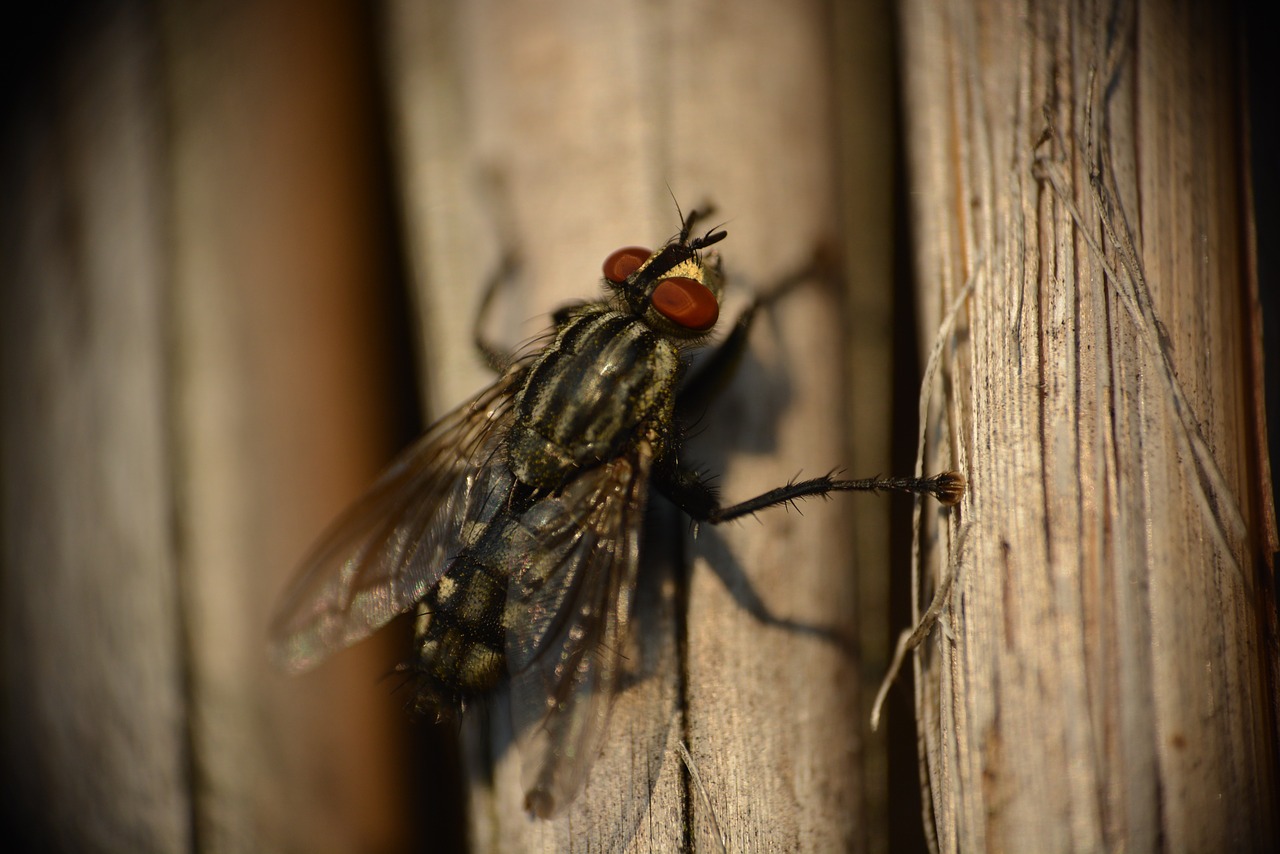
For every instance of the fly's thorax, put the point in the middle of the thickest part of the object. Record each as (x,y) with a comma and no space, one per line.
(605,380)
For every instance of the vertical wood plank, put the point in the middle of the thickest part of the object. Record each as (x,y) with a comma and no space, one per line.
(773,706)
(281,416)
(92,713)
(555,130)
(1104,682)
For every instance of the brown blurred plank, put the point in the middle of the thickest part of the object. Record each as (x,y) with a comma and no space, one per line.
(281,415)
(1105,681)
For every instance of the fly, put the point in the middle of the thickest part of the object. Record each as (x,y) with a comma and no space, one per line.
(512,527)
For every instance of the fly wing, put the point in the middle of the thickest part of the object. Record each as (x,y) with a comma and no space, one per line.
(571,601)
(387,550)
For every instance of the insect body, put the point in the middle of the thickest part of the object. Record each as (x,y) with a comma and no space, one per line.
(512,527)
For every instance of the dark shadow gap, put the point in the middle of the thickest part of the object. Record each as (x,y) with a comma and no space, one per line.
(433,765)
(906,824)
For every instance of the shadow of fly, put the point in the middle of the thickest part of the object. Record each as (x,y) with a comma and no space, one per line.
(512,527)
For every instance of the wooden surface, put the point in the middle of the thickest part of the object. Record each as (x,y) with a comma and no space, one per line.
(198,369)
(192,387)
(92,715)
(212,160)
(280,417)
(1106,677)
(563,131)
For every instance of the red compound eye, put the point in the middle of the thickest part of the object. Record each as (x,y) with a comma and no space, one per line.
(687,303)
(623,262)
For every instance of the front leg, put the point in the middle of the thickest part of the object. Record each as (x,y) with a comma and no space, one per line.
(690,491)
(494,356)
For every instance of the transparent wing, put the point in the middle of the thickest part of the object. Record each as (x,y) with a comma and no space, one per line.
(386,551)
(571,599)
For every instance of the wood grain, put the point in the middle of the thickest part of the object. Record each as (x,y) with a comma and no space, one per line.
(563,131)
(1106,678)
(191,384)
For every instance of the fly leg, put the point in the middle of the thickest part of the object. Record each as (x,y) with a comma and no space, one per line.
(495,356)
(690,491)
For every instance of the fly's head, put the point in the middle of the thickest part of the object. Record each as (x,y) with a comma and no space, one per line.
(672,290)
